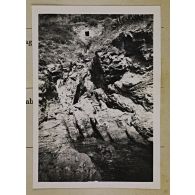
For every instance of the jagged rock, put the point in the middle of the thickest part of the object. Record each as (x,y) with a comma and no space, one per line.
(53,68)
(55,112)
(143,123)
(107,122)
(150,139)
(41,84)
(67,92)
(103,105)
(70,124)
(55,71)
(141,119)
(68,165)
(137,45)
(101,127)
(42,115)
(147,53)
(128,80)
(135,136)
(50,124)
(110,124)
(122,103)
(131,41)
(75,166)
(88,104)
(83,123)
(99,104)
(90,107)
(143,94)
(138,87)
(70,91)
(52,134)
(88,84)
(112,66)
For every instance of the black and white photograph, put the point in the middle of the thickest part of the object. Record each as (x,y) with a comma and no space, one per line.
(96,96)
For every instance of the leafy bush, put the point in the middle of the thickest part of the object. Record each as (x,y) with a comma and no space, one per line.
(92,22)
(59,34)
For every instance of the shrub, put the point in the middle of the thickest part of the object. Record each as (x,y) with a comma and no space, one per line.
(92,22)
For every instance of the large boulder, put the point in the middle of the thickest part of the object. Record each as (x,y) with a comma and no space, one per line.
(112,65)
(111,121)
(70,123)
(66,164)
(142,120)
(83,123)
(137,87)
(75,166)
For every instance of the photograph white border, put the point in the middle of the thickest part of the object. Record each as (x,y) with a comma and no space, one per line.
(155,10)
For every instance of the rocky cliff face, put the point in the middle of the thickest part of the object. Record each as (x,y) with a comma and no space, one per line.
(96,106)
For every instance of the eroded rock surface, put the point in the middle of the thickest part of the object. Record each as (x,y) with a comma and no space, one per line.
(96,104)
(66,164)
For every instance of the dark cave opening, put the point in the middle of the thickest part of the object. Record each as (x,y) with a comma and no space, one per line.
(86,33)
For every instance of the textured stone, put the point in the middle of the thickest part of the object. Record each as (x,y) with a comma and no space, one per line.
(83,123)
(76,166)
(135,136)
(70,124)
(141,119)
(138,88)
(108,124)
(69,165)
(96,101)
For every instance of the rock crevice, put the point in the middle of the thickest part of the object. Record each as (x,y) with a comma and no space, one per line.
(95,100)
